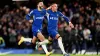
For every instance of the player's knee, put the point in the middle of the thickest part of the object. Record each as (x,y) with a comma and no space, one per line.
(33,41)
(40,37)
(59,37)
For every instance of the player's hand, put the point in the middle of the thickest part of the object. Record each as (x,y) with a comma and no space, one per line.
(30,21)
(71,25)
(48,8)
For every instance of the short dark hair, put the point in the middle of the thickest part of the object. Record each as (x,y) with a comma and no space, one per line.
(37,2)
(53,3)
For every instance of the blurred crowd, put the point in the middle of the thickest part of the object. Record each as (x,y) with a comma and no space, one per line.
(85,15)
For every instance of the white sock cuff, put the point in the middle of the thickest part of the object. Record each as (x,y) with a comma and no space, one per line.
(28,39)
(60,38)
(44,42)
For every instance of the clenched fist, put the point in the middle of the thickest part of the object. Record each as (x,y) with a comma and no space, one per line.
(71,25)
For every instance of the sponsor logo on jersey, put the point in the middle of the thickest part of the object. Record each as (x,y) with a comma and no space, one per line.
(39,17)
(53,18)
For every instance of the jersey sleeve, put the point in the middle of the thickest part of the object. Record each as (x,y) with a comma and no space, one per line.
(63,16)
(46,14)
(45,11)
(29,15)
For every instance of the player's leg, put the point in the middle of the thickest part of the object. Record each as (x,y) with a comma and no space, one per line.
(54,35)
(22,39)
(50,44)
(59,38)
(34,39)
(42,39)
(36,34)
(50,39)
(43,43)
(31,40)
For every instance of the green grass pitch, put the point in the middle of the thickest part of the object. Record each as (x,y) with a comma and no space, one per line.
(43,55)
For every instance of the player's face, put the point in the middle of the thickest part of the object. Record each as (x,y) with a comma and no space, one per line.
(54,7)
(40,5)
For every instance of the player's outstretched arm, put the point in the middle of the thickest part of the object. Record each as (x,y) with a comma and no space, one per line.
(63,16)
(67,20)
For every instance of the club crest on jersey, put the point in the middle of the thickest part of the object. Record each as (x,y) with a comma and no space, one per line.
(57,15)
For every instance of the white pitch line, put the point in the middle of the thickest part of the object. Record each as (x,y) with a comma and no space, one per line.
(5,53)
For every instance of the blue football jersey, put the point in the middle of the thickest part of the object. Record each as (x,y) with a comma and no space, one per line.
(38,17)
(53,17)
